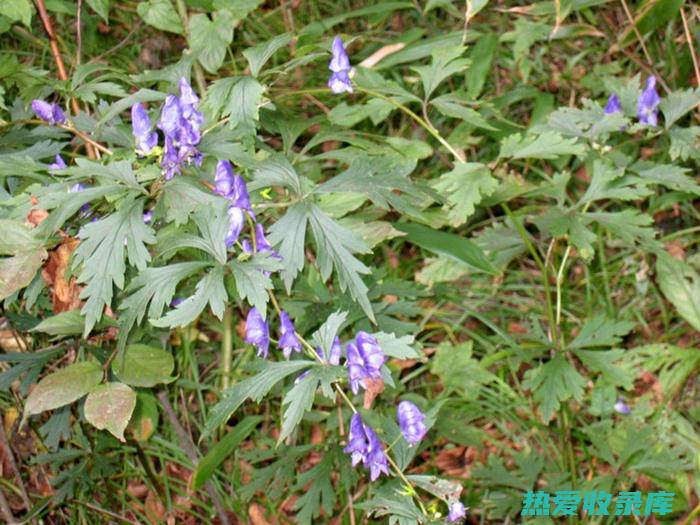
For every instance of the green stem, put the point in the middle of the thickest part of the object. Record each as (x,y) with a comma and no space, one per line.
(198,72)
(226,349)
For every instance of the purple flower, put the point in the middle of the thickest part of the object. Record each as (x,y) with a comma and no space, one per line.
(49,112)
(340,68)
(58,164)
(364,446)
(364,360)
(411,422)
(261,243)
(647,104)
(223,178)
(236,218)
(257,332)
(177,301)
(239,194)
(457,512)
(613,105)
(288,340)
(148,217)
(336,350)
(146,139)
(85,208)
(621,407)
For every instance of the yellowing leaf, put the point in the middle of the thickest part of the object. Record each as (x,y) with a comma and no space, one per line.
(109,407)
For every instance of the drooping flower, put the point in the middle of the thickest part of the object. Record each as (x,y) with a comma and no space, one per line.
(621,407)
(288,340)
(375,459)
(180,122)
(336,350)
(613,105)
(236,221)
(223,178)
(146,138)
(648,102)
(58,164)
(364,360)
(457,512)
(339,82)
(51,113)
(410,420)
(257,332)
(357,440)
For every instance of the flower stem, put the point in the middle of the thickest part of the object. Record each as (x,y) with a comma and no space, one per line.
(226,349)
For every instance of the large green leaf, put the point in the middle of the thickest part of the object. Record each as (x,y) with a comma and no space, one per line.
(211,38)
(144,366)
(257,56)
(463,188)
(447,244)
(109,407)
(62,387)
(553,383)
(160,14)
(548,145)
(680,283)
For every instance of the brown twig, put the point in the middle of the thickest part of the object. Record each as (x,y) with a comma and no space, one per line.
(689,38)
(190,450)
(13,466)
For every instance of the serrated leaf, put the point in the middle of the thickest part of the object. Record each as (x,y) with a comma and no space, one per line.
(599,331)
(451,106)
(685,142)
(325,335)
(445,63)
(276,170)
(258,55)
(253,388)
(320,494)
(463,188)
(604,361)
(680,284)
(398,347)
(447,244)
(458,370)
(17,10)
(244,103)
(144,366)
(155,286)
(210,38)
(630,225)
(62,387)
(288,235)
(101,7)
(210,289)
(554,383)
(548,145)
(182,197)
(610,183)
(669,175)
(678,103)
(223,449)
(160,14)
(109,407)
(252,283)
(101,254)
(299,400)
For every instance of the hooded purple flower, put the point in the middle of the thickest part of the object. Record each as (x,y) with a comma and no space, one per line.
(364,360)
(223,178)
(364,446)
(613,105)
(257,332)
(239,194)
(411,422)
(236,222)
(49,112)
(148,217)
(288,340)
(621,407)
(58,164)
(647,104)
(340,68)
(457,512)
(146,138)
(336,350)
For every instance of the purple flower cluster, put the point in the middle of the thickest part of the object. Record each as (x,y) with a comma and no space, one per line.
(51,113)
(180,122)
(257,333)
(364,446)
(364,360)
(647,104)
(146,137)
(58,164)
(339,82)
(232,186)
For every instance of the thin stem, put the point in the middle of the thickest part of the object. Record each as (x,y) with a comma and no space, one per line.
(198,73)
(87,139)
(226,349)
(689,38)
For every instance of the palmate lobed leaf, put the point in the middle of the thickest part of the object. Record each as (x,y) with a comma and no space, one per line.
(554,383)
(464,187)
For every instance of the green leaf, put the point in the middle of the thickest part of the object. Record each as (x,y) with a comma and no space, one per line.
(548,145)
(335,247)
(325,335)
(319,494)
(109,407)
(451,106)
(599,331)
(630,225)
(253,388)
(685,143)
(17,10)
(398,347)
(669,175)
(288,234)
(650,15)
(677,104)
(257,56)
(144,366)
(223,449)
(445,63)
(458,370)
(160,14)
(553,383)
(68,323)
(252,283)
(276,170)
(680,284)
(210,289)
(481,58)
(607,363)
(155,286)
(244,102)
(144,420)
(609,183)
(182,196)
(101,254)
(447,244)
(27,256)
(299,400)
(101,7)
(63,387)
(240,9)
(463,188)
(211,38)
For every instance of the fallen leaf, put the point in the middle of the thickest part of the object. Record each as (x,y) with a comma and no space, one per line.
(381,53)
(65,293)
(374,387)
(257,515)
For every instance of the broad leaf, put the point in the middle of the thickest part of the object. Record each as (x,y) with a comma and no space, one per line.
(62,387)
(680,283)
(109,407)
(599,331)
(211,38)
(257,56)
(144,366)
(160,14)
